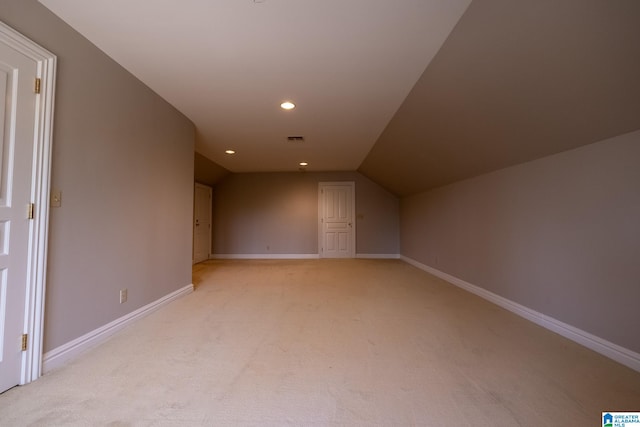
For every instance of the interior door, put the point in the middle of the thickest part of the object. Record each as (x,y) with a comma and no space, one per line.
(17,124)
(337,227)
(201,223)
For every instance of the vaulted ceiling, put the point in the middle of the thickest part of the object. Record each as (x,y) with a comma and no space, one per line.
(413,93)
(515,81)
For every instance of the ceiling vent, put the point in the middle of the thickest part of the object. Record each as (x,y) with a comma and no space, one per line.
(296,139)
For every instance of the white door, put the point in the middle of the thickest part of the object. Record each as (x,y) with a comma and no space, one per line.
(17,124)
(336,215)
(201,223)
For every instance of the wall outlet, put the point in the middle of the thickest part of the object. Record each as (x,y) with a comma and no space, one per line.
(56,198)
(123,296)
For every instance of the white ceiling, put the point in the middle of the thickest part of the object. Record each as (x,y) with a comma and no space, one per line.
(228,64)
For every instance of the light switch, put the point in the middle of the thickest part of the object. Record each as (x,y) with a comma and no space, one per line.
(56,198)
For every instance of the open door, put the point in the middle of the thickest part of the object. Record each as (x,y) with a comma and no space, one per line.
(26,117)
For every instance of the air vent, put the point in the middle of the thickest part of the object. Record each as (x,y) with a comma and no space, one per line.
(295,138)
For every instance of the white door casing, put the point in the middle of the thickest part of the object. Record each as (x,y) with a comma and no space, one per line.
(201,223)
(336,225)
(17,121)
(26,120)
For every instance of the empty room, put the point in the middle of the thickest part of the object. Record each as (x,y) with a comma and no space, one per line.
(286,212)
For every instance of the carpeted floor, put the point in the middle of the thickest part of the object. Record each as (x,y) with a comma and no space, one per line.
(324,343)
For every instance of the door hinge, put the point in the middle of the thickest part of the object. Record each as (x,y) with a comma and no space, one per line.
(24,342)
(30,209)
(38,83)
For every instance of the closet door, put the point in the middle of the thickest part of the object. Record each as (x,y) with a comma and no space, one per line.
(201,223)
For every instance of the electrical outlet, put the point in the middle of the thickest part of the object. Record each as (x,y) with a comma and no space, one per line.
(123,296)
(56,198)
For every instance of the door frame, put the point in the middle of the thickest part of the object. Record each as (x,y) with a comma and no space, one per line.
(321,186)
(210,190)
(40,192)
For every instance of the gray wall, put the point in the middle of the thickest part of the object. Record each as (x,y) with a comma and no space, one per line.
(123,159)
(560,235)
(280,210)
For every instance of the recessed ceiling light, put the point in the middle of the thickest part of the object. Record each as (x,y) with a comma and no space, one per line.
(288,105)
(230,152)
(304,164)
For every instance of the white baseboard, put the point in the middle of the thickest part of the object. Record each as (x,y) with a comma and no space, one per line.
(613,351)
(378,256)
(265,256)
(59,356)
(297,256)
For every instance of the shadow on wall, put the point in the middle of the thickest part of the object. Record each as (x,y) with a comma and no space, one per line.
(206,171)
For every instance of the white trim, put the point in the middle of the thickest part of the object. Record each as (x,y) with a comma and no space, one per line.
(59,356)
(40,187)
(265,256)
(296,256)
(378,256)
(613,351)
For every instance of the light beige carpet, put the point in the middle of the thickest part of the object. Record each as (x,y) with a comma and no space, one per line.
(323,343)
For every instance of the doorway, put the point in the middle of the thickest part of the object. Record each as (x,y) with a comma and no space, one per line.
(201,223)
(336,225)
(27,76)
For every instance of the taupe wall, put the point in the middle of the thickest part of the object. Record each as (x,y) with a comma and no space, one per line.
(254,211)
(560,235)
(123,159)
(206,171)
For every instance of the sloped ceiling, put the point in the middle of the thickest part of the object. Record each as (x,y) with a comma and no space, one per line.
(515,81)
(228,65)
(414,94)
